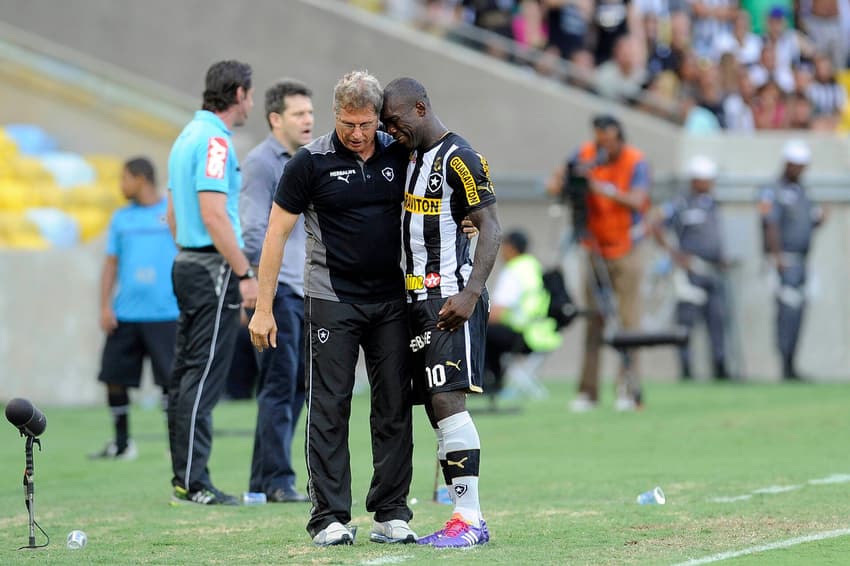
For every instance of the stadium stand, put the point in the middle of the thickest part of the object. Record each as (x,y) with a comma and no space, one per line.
(677,52)
(51,198)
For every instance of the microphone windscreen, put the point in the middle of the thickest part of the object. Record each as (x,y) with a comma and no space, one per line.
(23,414)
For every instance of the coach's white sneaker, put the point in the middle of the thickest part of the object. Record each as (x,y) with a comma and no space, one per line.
(392,531)
(582,404)
(334,534)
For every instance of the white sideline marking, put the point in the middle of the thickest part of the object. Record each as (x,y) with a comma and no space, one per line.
(777,489)
(834,478)
(773,489)
(385,560)
(730,499)
(765,547)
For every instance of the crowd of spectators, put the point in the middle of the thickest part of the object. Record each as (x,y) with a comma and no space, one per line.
(708,64)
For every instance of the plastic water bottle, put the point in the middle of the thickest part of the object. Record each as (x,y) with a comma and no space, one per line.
(253,498)
(76,540)
(653,496)
(442,496)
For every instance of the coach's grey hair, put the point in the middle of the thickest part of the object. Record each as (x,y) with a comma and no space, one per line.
(358,90)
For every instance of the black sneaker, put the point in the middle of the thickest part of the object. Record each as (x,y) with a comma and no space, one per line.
(111,452)
(205,496)
(283,496)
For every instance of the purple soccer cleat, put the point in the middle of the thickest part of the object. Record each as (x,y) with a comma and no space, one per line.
(459,534)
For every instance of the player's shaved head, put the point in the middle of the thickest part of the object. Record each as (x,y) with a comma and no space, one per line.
(407,90)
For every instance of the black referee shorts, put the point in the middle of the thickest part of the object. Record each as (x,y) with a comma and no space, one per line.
(127,346)
(447,361)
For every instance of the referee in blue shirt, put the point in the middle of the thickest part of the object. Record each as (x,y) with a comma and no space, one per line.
(212,277)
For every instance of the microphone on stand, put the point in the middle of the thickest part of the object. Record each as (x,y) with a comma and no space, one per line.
(31,423)
(26,417)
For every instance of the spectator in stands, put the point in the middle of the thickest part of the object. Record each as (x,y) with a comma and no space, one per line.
(769,107)
(709,94)
(844,13)
(688,73)
(568,24)
(759,10)
(616,176)
(697,119)
(659,54)
(803,74)
(742,42)
(527,25)
(767,70)
(822,24)
(140,316)
(583,70)
(680,36)
(694,220)
(280,393)
(610,20)
(621,78)
(800,112)
(789,218)
(789,44)
(495,16)
(711,19)
(661,96)
(737,106)
(211,275)
(518,308)
(827,96)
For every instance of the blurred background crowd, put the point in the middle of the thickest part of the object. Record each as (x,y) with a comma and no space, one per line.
(709,65)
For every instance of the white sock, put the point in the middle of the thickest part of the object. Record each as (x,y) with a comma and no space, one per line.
(462,449)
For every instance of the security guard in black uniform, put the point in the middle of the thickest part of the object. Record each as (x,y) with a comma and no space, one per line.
(789,219)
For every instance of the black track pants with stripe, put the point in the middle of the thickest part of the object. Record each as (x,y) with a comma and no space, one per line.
(208,296)
(336,333)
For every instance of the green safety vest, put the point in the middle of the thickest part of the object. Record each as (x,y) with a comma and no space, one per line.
(529,318)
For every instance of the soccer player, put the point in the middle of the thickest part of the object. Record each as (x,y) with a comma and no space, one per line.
(140,319)
(446,181)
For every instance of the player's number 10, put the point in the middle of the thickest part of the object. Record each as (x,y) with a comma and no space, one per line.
(436,375)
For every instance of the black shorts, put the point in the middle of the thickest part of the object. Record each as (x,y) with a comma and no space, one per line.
(127,346)
(442,360)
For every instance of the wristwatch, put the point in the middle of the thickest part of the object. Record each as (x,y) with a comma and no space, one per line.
(248,274)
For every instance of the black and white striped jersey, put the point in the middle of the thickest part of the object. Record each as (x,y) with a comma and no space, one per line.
(444,184)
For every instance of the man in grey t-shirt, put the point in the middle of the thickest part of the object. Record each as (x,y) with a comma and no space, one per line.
(280,391)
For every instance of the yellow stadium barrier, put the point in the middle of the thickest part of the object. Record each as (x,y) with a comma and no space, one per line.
(16,232)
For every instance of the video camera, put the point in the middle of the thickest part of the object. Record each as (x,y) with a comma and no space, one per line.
(577,187)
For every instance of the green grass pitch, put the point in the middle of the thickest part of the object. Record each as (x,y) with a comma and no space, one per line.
(556,488)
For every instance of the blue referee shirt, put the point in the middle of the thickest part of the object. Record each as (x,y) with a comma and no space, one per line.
(203,159)
(140,241)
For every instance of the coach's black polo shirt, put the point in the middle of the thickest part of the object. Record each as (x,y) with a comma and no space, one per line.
(352,214)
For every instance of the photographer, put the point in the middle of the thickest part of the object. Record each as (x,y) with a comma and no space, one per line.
(606,184)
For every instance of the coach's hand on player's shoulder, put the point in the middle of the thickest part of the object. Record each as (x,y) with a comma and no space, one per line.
(456,310)
(263,330)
